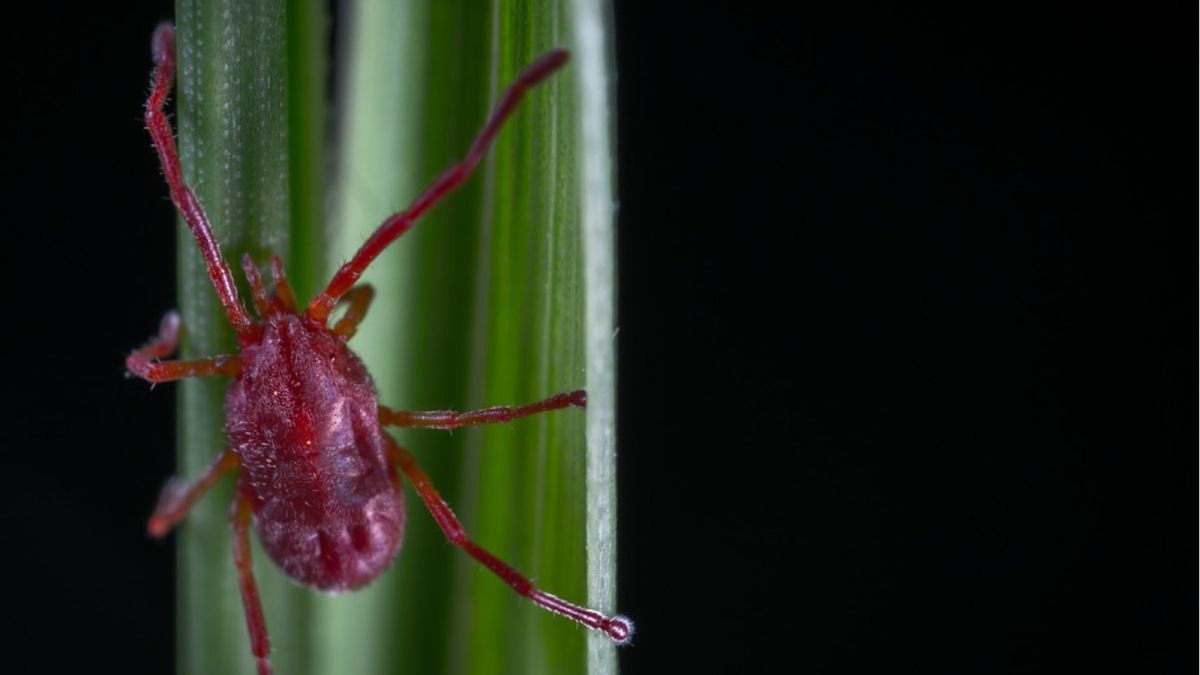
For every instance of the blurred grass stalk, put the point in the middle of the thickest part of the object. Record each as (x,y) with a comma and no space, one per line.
(503,294)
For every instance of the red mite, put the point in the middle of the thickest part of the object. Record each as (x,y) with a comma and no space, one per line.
(315,471)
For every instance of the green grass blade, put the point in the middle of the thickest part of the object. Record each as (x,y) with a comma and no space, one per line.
(503,294)
(253,161)
(378,169)
(591,24)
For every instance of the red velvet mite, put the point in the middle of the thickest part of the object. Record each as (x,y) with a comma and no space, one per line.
(315,471)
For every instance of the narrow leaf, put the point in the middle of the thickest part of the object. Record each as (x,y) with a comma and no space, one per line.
(252,163)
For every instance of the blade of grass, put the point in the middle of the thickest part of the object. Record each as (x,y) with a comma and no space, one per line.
(253,160)
(381,73)
(411,106)
(483,303)
(591,25)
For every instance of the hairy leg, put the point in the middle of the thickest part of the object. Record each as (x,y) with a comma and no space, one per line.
(144,362)
(262,304)
(229,365)
(283,290)
(177,498)
(448,419)
(184,199)
(400,223)
(619,628)
(359,298)
(260,643)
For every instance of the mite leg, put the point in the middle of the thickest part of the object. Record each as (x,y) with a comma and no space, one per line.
(359,298)
(160,345)
(142,362)
(262,304)
(177,498)
(619,628)
(184,199)
(228,365)
(448,419)
(283,290)
(399,223)
(260,644)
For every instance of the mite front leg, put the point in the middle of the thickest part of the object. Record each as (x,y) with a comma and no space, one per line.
(260,644)
(451,178)
(163,48)
(359,298)
(448,419)
(619,628)
(160,345)
(177,498)
(144,362)
(167,371)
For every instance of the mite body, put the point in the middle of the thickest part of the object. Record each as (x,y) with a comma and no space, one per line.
(303,420)
(316,473)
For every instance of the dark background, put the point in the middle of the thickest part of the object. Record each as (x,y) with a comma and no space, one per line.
(906,313)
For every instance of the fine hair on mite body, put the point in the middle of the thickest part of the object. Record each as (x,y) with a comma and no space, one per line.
(315,472)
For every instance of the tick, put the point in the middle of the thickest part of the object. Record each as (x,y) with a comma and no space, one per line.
(316,473)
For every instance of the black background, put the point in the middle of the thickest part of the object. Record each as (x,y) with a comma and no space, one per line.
(903,340)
